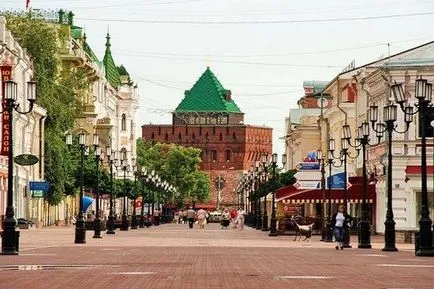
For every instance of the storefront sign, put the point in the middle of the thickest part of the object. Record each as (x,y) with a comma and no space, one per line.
(6,74)
(39,186)
(37,194)
(307,184)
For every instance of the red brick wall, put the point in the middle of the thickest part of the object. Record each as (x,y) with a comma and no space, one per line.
(245,144)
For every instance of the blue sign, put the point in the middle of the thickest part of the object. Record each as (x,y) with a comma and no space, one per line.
(307,166)
(39,186)
(336,181)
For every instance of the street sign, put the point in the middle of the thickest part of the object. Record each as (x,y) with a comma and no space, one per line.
(39,186)
(336,181)
(307,166)
(26,160)
(307,184)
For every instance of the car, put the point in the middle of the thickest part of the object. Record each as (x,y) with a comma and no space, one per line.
(215,217)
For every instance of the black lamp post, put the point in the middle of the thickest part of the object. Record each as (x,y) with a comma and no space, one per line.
(363,139)
(273,221)
(257,176)
(321,162)
(97,221)
(111,158)
(80,224)
(10,238)
(134,224)
(265,180)
(390,116)
(144,179)
(344,155)
(423,93)
(328,224)
(125,167)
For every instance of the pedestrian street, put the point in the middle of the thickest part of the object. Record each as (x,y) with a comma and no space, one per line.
(174,256)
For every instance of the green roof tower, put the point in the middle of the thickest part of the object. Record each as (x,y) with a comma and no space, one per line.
(111,71)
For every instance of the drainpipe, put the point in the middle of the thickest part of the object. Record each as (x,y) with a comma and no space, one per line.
(339,102)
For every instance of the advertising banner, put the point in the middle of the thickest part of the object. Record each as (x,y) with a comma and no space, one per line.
(6,74)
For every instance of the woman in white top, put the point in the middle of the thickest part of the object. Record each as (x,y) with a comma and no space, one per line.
(339,221)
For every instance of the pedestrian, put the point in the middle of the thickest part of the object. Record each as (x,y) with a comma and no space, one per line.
(340,221)
(240,219)
(226,218)
(156,217)
(191,215)
(201,218)
(234,218)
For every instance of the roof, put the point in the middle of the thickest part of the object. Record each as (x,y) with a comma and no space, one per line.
(208,95)
(89,50)
(111,71)
(295,114)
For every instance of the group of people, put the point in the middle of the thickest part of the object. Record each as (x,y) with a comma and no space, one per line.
(190,216)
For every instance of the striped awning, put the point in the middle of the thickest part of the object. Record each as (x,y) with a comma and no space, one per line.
(354,194)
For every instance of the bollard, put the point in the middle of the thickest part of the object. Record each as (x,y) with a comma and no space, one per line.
(416,242)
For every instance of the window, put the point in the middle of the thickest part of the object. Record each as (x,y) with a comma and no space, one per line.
(124,122)
(213,155)
(166,137)
(221,137)
(228,155)
(429,130)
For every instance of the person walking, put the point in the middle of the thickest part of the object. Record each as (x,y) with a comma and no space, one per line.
(191,214)
(340,220)
(226,218)
(201,218)
(240,219)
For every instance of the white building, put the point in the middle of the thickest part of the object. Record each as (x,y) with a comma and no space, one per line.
(28,132)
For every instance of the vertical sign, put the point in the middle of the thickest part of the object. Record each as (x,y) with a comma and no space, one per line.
(6,74)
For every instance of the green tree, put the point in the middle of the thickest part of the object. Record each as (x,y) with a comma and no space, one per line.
(59,91)
(179,166)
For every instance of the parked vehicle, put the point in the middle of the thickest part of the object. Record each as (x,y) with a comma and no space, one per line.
(215,217)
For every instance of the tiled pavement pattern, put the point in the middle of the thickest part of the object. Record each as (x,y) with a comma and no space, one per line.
(172,256)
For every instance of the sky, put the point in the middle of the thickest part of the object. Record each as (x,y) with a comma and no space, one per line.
(262,50)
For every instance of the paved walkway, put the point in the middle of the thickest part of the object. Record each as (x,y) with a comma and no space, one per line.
(173,256)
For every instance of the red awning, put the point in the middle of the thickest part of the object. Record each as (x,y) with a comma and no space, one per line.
(291,194)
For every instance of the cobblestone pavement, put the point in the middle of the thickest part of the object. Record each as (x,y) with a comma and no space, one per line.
(173,256)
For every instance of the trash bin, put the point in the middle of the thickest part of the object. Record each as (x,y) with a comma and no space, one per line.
(416,242)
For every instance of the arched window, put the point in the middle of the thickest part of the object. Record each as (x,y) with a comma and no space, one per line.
(228,154)
(213,155)
(234,136)
(124,122)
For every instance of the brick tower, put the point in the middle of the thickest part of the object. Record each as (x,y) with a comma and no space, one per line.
(208,118)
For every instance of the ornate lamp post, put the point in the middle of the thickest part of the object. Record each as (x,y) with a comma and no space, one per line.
(273,221)
(257,176)
(10,238)
(144,179)
(80,224)
(390,117)
(112,159)
(134,224)
(125,168)
(363,139)
(265,180)
(423,93)
(321,162)
(97,221)
(344,155)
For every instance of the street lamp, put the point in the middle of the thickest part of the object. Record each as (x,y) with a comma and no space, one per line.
(265,180)
(390,116)
(344,155)
(258,198)
(273,221)
(112,159)
(321,161)
(134,224)
(97,221)
(328,222)
(144,179)
(10,238)
(125,168)
(423,93)
(363,139)
(80,223)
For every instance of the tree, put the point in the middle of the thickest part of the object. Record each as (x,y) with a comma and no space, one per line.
(59,92)
(179,166)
